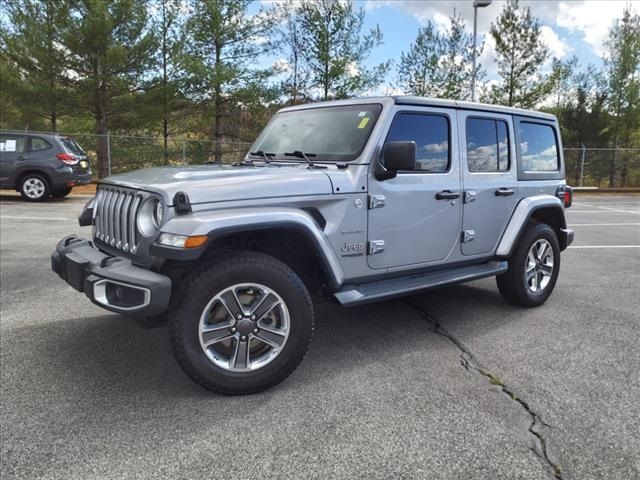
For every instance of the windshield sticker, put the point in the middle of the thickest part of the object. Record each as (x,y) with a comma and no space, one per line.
(363,122)
(363,114)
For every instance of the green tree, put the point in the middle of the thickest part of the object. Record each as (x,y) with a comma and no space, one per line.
(335,49)
(223,44)
(30,42)
(291,43)
(170,38)
(110,50)
(623,82)
(560,80)
(520,52)
(438,64)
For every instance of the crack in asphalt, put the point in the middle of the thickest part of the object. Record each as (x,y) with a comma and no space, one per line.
(470,363)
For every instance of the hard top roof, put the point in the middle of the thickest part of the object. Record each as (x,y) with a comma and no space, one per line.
(431,102)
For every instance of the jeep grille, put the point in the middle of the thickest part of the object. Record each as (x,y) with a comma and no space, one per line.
(115,218)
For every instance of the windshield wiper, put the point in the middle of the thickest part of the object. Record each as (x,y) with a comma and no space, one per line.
(265,155)
(305,156)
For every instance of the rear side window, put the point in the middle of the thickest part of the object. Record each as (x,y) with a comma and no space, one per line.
(13,143)
(72,146)
(431,134)
(38,143)
(538,148)
(487,145)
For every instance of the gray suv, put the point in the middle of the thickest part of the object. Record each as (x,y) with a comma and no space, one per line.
(356,201)
(39,165)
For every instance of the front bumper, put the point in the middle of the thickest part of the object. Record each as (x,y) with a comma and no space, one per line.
(110,282)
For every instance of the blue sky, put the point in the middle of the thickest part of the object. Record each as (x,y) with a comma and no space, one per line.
(569,28)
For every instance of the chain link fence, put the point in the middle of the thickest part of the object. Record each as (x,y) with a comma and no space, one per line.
(126,153)
(602,167)
(585,167)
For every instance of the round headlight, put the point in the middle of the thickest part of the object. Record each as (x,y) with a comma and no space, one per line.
(147,220)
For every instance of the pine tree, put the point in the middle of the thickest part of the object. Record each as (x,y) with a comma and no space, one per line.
(623,82)
(438,64)
(31,44)
(110,49)
(223,44)
(291,43)
(520,52)
(170,39)
(335,49)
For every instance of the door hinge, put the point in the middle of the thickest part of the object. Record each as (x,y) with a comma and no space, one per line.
(470,196)
(468,236)
(375,246)
(376,201)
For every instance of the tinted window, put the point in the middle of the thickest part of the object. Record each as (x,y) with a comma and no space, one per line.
(538,147)
(38,143)
(13,143)
(431,134)
(72,146)
(329,133)
(487,145)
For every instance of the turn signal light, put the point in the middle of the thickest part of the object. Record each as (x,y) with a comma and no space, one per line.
(195,241)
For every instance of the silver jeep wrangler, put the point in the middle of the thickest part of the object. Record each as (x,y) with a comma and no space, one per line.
(356,201)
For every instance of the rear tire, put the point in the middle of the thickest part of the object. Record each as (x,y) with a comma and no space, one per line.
(219,320)
(61,193)
(534,266)
(34,187)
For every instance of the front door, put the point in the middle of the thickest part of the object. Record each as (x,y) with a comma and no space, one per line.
(489,178)
(13,157)
(415,218)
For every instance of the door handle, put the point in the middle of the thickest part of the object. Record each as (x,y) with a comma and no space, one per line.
(22,157)
(504,192)
(447,195)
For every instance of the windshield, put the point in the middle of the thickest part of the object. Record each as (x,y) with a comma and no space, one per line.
(327,133)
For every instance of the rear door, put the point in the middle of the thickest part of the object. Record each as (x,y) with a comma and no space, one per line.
(409,222)
(13,157)
(490,179)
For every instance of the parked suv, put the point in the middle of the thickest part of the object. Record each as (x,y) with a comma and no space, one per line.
(39,164)
(358,201)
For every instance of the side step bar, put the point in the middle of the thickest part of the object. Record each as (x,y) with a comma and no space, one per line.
(350,295)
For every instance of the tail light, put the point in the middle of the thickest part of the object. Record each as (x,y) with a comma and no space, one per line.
(67,158)
(565,194)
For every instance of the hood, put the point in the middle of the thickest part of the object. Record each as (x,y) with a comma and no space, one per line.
(216,183)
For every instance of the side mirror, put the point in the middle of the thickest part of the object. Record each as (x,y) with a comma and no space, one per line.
(396,156)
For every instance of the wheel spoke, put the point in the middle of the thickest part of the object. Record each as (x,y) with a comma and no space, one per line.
(268,303)
(216,333)
(231,303)
(542,250)
(546,269)
(240,357)
(274,338)
(531,273)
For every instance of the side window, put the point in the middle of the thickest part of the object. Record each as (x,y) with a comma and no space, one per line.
(487,145)
(38,143)
(431,134)
(538,148)
(13,143)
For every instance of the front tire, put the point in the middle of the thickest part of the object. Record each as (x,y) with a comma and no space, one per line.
(534,266)
(34,188)
(242,324)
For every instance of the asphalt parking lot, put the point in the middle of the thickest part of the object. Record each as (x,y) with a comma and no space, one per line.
(452,384)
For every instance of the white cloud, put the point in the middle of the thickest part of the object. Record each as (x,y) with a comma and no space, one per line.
(557,47)
(592,19)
